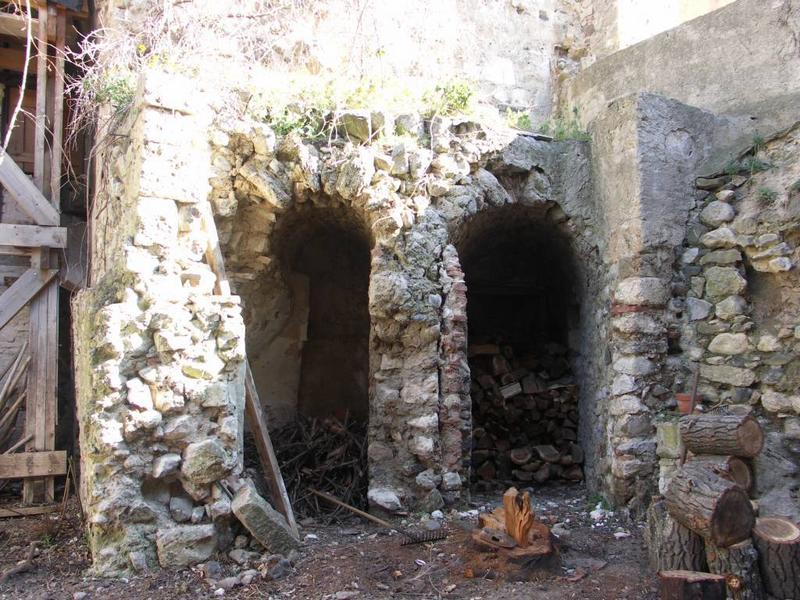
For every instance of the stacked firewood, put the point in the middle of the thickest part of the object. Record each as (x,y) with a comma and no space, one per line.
(703,536)
(525,415)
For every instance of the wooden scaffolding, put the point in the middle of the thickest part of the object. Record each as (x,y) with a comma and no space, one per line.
(38,236)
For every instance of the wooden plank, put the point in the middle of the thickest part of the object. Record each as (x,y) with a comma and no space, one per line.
(213,252)
(12,271)
(58,104)
(13,59)
(41,393)
(41,101)
(258,425)
(33,464)
(33,236)
(28,197)
(22,291)
(15,251)
(28,511)
(15,25)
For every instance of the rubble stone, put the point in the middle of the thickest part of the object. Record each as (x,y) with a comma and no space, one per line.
(183,545)
(262,521)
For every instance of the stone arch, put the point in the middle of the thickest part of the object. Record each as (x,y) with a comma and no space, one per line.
(525,288)
(307,314)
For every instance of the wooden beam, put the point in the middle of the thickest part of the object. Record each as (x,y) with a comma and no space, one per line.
(22,291)
(15,25)
(28,511)
(12,271)
(40,411)
(29,199)
(41,101)
(32,236)
(12,59)
(258,425)
(214,256)
(33,464)
(58,104)
(14,251)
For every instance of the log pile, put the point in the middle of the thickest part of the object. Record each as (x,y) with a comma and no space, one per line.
(706,521)
(525,411)
(512,542)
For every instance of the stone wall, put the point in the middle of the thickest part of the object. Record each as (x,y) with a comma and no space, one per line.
(505,47)
(737,286)
(159,355)
(414,197)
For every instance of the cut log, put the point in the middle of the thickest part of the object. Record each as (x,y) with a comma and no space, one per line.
(778,544)
(739,435)
(548,453)
(519,516)
(739,565)
(520,456)
(542,474)
(709,505)
(670,545)
(691,585)
(728,467)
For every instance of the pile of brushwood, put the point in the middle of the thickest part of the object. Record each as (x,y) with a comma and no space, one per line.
(327,454)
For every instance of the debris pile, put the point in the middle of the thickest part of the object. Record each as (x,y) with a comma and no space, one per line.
(525,411)
(324,454)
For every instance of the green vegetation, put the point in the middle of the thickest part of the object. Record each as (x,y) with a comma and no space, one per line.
(116,89)
(597,499)
(753,164)
(795,187)
(562,128)
(758,144)
(521,119)
(308,105)
(766,195)
(452,98)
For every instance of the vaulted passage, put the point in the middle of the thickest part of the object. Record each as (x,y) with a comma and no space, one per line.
(521,309)
(325,259)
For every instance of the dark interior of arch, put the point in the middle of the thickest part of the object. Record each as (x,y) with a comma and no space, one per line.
(520,278)
(522,304)
(331,248)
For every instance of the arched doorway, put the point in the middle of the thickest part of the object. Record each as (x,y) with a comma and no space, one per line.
(324,257)
(523,311)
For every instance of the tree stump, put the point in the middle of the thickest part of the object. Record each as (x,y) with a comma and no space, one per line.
(739,565)
(728,467)
(715,508)
(518,514)
(670,545)
(691,585)
(502,553)
(739,435)
(778,543)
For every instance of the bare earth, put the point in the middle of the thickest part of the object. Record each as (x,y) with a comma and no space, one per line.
(354,560)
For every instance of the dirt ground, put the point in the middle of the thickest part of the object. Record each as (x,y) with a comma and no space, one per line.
(356,560)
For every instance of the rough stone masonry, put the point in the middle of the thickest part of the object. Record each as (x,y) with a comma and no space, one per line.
(160,352)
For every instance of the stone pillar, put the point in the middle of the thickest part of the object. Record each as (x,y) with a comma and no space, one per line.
(159,356)
(455,409)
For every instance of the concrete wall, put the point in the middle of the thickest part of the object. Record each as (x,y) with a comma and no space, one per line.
(611,25)
(743,58)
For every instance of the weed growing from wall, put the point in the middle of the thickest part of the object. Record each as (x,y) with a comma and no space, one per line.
(565,128)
